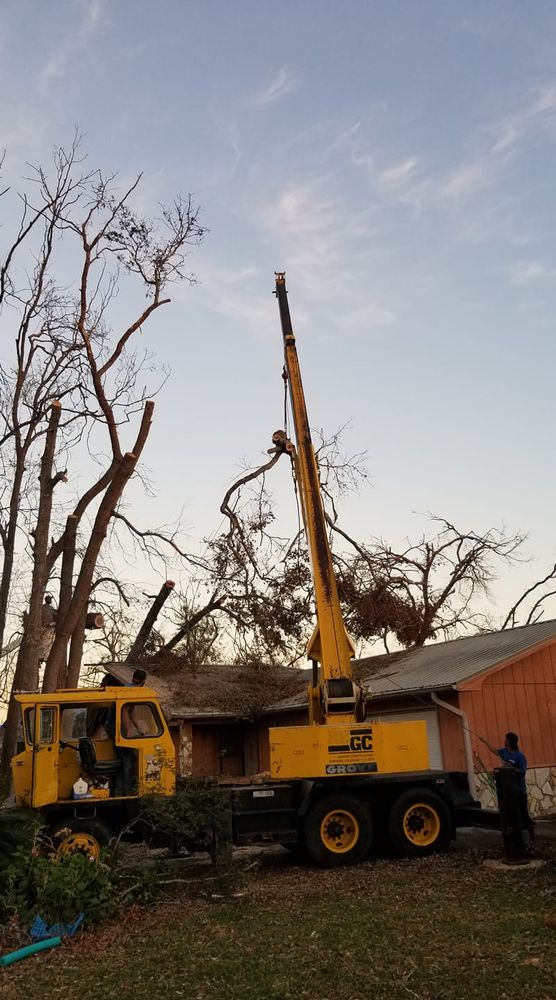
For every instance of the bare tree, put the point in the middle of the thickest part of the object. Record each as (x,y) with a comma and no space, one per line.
(99,385)
(254,587)
(536,609)
(428,588)
(46,362)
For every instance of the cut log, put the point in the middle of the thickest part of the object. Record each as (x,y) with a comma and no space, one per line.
(150,618)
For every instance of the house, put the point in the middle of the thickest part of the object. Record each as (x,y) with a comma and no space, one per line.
(481,685)
(215,712)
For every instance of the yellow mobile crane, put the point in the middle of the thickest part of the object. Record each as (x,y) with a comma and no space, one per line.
(338,785)
(337,742)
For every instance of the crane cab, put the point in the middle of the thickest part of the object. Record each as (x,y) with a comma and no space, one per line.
(110,744)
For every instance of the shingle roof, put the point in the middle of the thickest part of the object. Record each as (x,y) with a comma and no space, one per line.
(220,690)
(225,690)
(442,665)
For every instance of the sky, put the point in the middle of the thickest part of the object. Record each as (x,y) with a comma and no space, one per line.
(397,160)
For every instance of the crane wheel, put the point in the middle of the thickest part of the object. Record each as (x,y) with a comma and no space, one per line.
(338,830)
(419,823)
(80,836)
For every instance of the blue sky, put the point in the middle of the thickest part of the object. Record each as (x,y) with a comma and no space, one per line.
(397,159)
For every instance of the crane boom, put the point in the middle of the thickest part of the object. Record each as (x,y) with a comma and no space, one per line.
(330,645)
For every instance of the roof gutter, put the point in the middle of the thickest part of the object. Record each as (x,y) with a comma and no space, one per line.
(466,740)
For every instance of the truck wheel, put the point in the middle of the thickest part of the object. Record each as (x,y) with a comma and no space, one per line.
(419,823)
(338,831)
(81,836)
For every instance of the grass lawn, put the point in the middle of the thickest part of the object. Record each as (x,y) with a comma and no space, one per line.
(444,928)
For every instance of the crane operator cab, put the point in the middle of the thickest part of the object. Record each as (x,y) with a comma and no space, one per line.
(109,744)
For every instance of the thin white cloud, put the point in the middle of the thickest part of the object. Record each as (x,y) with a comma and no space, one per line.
(74,41)
(397,176)
(235,295)
(307,227)
(465,180)
(527,272)
(409,181)
(280,86)
(514,128)
(316,235)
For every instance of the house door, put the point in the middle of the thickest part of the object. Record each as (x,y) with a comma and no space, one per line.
(232,761)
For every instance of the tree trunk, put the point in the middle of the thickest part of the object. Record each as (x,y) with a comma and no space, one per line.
(82,589)
(150,618)
(26,676)
(71,679)
(66,580)
(10,727)
(9,545)
(213,605)
(34,629)
(119,474)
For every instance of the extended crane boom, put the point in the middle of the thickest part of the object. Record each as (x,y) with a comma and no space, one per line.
(338,742)
(335,693)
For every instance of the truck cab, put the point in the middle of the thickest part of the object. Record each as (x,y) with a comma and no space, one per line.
(91,753)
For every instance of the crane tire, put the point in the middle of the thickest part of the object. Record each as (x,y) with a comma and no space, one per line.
(419,823)
(80,836)
(338,830)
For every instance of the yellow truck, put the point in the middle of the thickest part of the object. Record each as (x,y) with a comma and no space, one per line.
(336,787)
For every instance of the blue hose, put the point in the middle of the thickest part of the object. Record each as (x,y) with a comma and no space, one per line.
(31,949)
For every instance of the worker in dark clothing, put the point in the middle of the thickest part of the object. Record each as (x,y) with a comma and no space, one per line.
(48,613)
(48,628)
(514,758)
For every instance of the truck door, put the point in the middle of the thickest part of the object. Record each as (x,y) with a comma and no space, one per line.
(45,755)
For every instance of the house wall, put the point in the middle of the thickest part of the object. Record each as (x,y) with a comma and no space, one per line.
(175,733)
(213,749)
(205,751)
(186,748)
(520,697)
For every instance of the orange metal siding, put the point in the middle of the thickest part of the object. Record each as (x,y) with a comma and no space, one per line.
(519,697)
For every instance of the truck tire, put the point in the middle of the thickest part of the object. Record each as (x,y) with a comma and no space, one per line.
(337,830)
(419,823)
(80,836)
